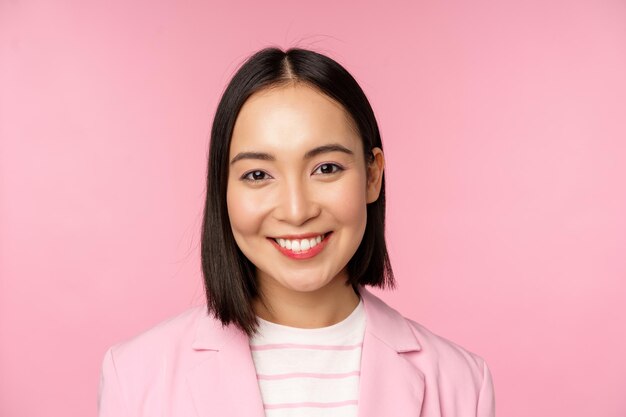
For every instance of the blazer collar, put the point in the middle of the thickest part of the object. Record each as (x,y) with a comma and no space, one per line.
(389,384)
(382,321)
(387,324)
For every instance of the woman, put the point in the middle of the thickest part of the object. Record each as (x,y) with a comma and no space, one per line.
(293,231)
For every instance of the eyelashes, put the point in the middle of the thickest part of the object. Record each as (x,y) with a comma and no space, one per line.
(258,176)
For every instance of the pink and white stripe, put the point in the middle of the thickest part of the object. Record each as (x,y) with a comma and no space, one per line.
(310,372)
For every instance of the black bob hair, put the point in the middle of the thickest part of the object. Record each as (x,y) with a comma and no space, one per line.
(229,277)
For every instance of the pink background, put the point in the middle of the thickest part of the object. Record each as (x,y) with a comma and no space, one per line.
(505,138)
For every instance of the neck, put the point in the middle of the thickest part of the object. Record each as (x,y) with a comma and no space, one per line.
(306,309)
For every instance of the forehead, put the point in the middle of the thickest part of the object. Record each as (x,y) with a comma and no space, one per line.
(292,117)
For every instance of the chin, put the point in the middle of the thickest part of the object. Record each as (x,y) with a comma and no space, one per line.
(305,285)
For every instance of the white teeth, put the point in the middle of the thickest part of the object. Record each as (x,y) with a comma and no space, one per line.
(299,245)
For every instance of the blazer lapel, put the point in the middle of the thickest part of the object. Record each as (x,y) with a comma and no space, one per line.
(389,384)
(224,382)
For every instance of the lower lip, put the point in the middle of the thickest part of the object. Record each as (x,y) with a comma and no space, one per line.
(302,254)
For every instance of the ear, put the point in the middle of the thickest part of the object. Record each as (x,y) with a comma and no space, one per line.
(375,175)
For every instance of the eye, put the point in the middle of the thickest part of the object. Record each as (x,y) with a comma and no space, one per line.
(255,176)
(329,168)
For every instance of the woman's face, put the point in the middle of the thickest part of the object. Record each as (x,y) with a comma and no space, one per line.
(297,173)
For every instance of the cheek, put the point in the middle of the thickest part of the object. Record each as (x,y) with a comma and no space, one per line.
(349,204)
(243,212)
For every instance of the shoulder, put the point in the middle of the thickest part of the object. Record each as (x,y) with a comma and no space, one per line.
(147,373)
(455,374)
(447,355)
(457,381)
(159,342)
(437,357)
(457,377)
(148,365)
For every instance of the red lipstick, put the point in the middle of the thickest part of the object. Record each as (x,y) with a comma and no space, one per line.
(305,254)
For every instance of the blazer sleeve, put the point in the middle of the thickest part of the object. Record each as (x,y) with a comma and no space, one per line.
(486,400)
(111,401)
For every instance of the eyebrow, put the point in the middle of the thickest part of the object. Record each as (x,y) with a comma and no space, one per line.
(331,147)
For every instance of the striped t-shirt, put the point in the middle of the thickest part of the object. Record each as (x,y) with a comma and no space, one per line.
(310,372)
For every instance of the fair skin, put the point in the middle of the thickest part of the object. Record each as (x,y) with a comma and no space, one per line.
(286,193)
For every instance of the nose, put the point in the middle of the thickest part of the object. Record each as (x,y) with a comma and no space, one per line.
(296,204)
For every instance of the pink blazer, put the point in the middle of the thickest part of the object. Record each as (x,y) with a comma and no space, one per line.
(189,366)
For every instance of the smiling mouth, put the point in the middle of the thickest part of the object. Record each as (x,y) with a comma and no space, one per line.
(300,245)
